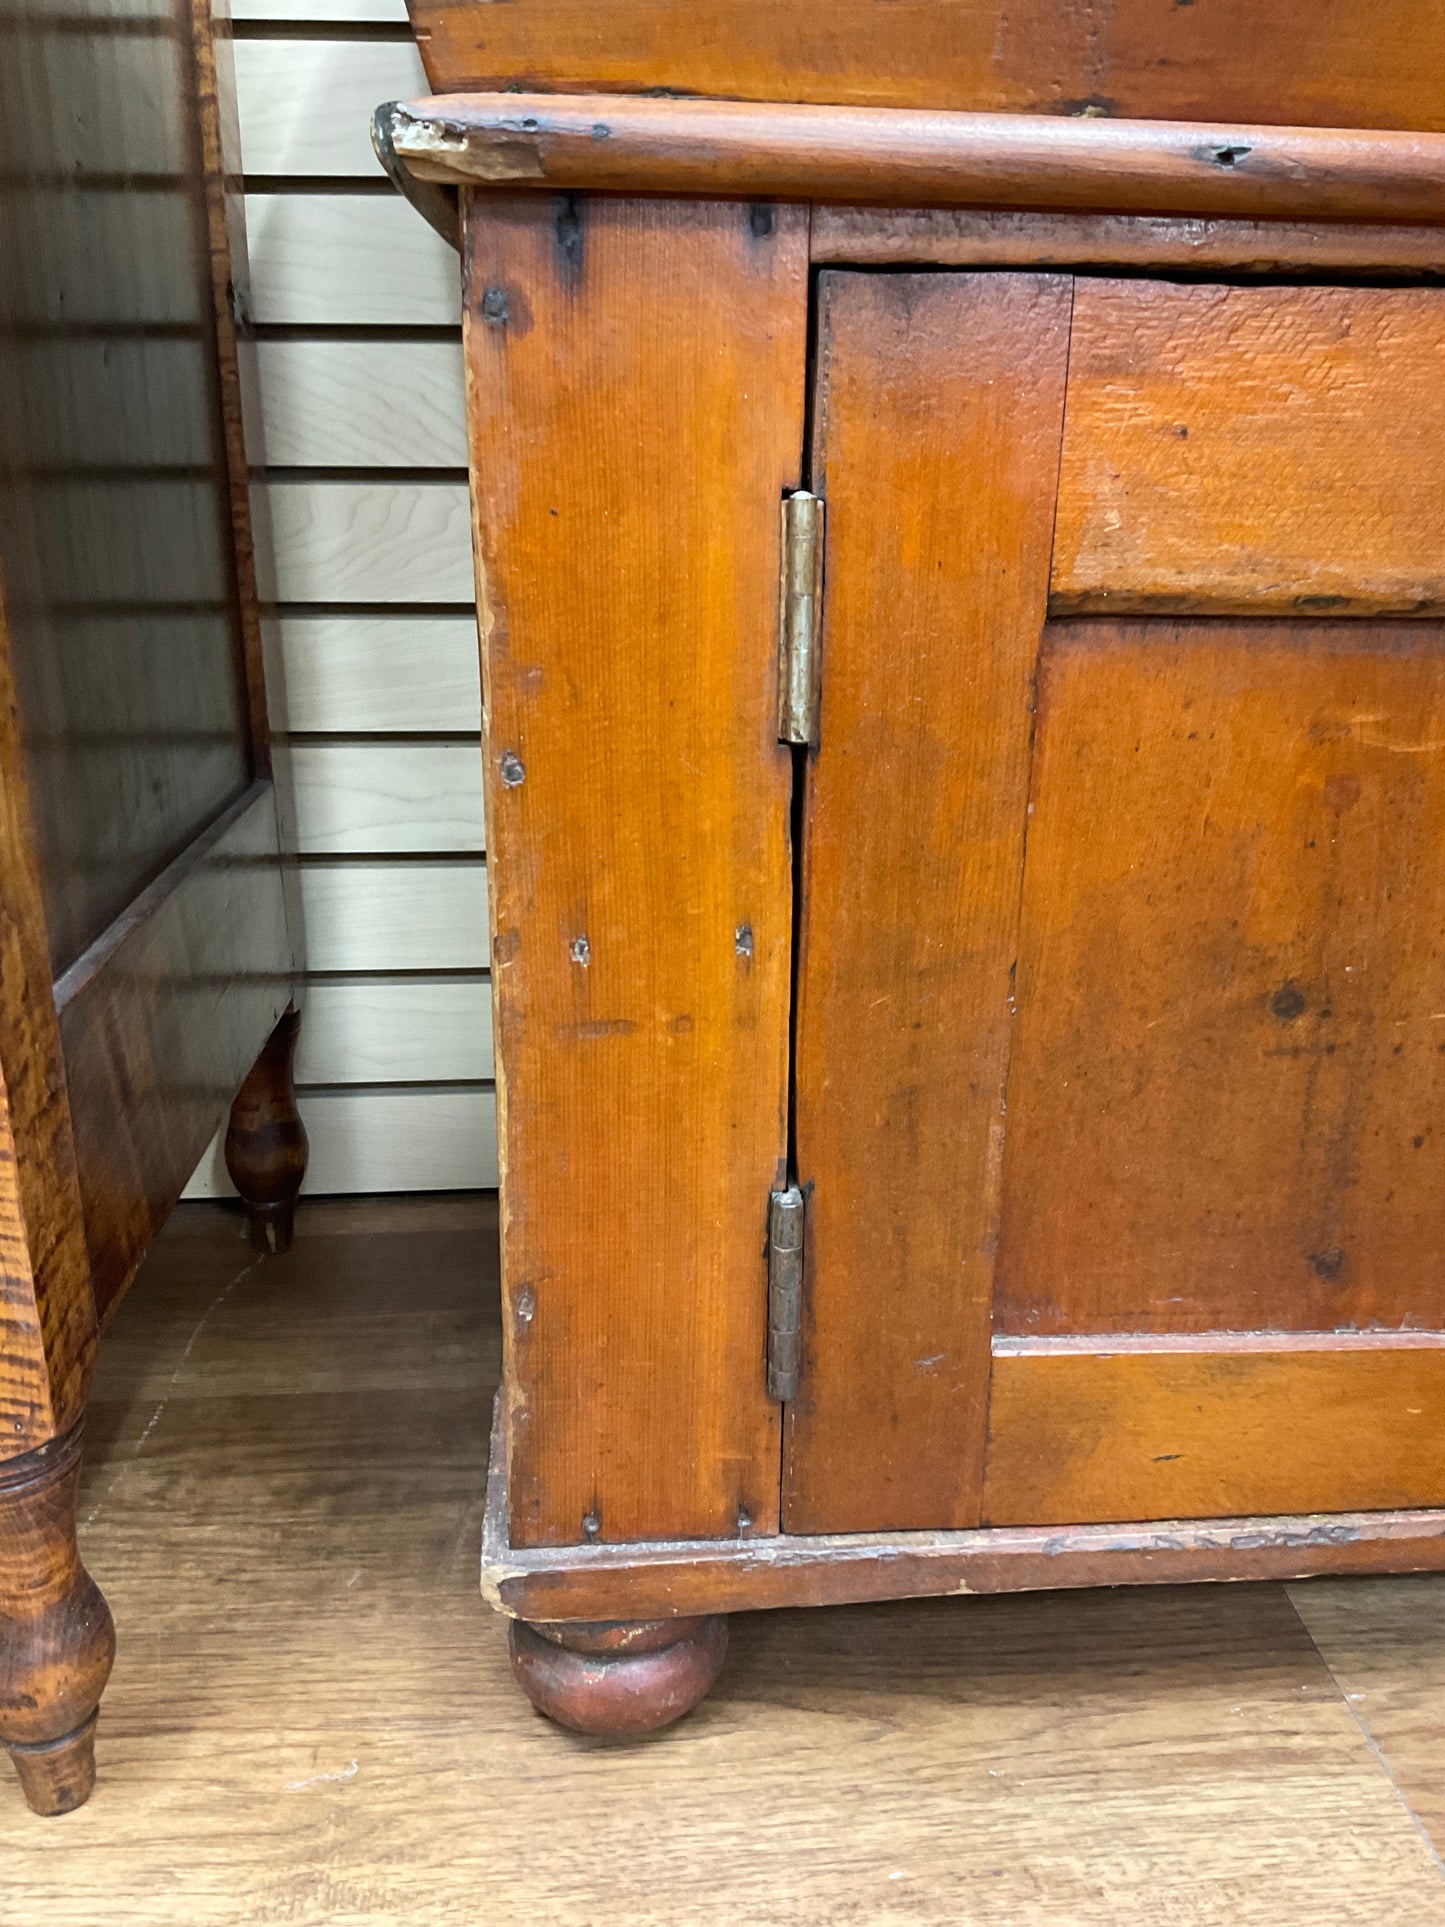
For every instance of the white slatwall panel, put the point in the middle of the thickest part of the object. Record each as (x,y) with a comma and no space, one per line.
(359,404)
(394,915)
(375,679)
(355,799)
(306,106)
(372,674)
(312,11)
(348,260)
(371,541)
(396,1030)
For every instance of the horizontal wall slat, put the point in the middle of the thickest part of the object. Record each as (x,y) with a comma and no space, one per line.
(365,799)
(305,106)
(356,674)
(435,1139)
(394,915)
(360,404)
(370,542)
(388,1030)
(348,259)
(307,11)
(368,815)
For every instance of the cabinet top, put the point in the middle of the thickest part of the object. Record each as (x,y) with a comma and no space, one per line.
(1309,63)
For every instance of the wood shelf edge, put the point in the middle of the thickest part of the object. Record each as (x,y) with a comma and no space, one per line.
(891,156)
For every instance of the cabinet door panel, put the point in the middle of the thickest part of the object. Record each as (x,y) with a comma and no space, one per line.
(1227,1097)
(1120,1067)
(1257,449)
(1112,1431)
(936,445)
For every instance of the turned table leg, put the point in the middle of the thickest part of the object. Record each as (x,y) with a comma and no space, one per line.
(617,1678)
(266,1140)
(57,1640)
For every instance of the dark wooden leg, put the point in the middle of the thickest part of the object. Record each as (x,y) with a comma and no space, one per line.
(618,1678)
(57,1639)
(266,1141)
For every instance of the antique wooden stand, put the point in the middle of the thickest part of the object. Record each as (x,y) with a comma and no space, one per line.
(961,555)
(146,952)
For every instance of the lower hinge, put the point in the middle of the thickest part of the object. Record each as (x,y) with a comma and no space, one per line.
(787,1212)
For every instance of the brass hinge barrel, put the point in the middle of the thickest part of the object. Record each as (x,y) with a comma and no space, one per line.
(800,606)
(787,1213)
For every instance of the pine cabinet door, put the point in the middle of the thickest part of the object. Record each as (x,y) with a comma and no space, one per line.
(1120,1028)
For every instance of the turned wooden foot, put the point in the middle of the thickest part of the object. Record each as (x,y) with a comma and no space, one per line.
(618,1678)
(57,1639)
(266,1141)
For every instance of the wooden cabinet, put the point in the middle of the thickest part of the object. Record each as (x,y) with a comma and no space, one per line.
(983,1130)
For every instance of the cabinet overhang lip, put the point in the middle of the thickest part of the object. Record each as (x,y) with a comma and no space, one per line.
(905,156)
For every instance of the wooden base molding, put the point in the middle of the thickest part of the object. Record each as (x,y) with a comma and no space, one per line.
(266,1145)
(691,1578)
(57,1639)
(618,1679)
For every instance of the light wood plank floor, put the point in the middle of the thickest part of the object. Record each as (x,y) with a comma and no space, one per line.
(312,1719)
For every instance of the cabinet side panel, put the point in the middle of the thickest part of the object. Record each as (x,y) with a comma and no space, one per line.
(939,417)
(636,387)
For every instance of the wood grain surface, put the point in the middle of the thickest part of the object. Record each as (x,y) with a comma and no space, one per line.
(1363,63)
(160,1021)
(1382,1641)
(656,144)
(620,357)
(388,541)
(357,260)
(411,913)
(1176,1756)
(1224,1092)
(1257,449)
(656,1580)
(380,674)
(1117,1435)
(47,1308)
(938,417)
(306,107)
(419,1028)
(333,402)
(1012,237)
(371,799)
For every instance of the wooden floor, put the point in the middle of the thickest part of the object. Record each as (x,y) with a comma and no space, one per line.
(312,1719)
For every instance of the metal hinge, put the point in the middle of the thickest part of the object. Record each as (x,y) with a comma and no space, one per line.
(787,1211)
(800,606)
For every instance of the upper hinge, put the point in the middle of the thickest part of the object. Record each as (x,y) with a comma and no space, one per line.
(787,1212)
(800,609)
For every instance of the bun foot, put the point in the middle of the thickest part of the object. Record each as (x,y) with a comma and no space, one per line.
(617,1679)
(57,1776)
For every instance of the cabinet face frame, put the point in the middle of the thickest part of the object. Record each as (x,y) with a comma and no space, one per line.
(668,1575)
